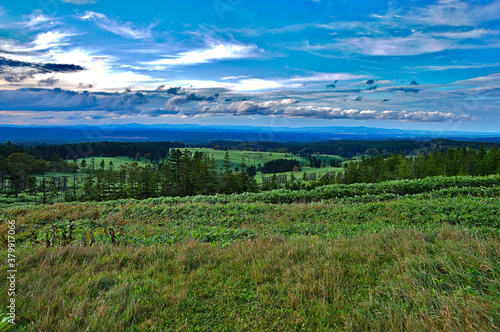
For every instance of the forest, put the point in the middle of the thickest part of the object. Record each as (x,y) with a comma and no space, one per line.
(170,171)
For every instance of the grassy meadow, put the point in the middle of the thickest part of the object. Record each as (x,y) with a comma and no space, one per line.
(235,158)
(415,255)
(256,158)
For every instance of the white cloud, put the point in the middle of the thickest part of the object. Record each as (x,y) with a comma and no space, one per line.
(233,77)
(414,44)
(257,84)
(337,113)
(261,84)
(470,34)
(454,13)
(133,67)
(42,42)
(377,37)
(50,39)
(448,67)
(324,77)
(215,51)
(481,80)
(249,107)
(285,108)
(126,30)
(38,19)
(99,71)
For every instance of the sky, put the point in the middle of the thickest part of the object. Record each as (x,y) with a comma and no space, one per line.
(413,64)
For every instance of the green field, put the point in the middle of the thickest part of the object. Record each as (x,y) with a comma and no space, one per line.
(256,158)
(414,255)
(235,158)
(117,162)
(251,158)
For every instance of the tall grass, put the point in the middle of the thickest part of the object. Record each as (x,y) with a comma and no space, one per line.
(419,255)
(396,280)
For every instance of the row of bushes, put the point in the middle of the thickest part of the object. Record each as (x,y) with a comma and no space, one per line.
(397,187)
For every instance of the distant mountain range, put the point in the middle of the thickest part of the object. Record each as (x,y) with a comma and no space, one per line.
(194,134)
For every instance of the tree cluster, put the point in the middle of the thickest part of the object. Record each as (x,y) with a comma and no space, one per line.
(280,165)
(181,173)
(452,162)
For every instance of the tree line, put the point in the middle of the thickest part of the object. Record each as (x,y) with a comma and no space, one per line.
(153,151)
(180,173)
(398,166)
(157,150)
(348,148)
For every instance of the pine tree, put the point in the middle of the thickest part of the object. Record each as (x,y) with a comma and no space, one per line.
(175,167)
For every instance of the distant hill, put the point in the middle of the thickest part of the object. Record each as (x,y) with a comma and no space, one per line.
(194,134)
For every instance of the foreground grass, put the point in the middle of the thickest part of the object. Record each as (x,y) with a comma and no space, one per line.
(149,222)
(444,280)
(421,255)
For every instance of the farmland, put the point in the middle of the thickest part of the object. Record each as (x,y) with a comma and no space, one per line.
(255,158)
(251,158)
(398,255)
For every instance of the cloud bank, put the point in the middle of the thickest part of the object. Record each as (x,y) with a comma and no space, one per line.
(69,101)
(272,108)
(195,105)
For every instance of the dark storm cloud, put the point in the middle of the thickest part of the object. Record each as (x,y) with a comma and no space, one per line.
(40,68)
(123,102)
(14,71)
(13,77)
(179,100)
(174,90)
(45,99)
(155,112)
(51,81)
(85,86)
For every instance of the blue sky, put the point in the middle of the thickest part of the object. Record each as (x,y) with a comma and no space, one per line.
(407,64)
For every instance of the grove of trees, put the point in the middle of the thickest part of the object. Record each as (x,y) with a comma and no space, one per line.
(178,172)
(397,166)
